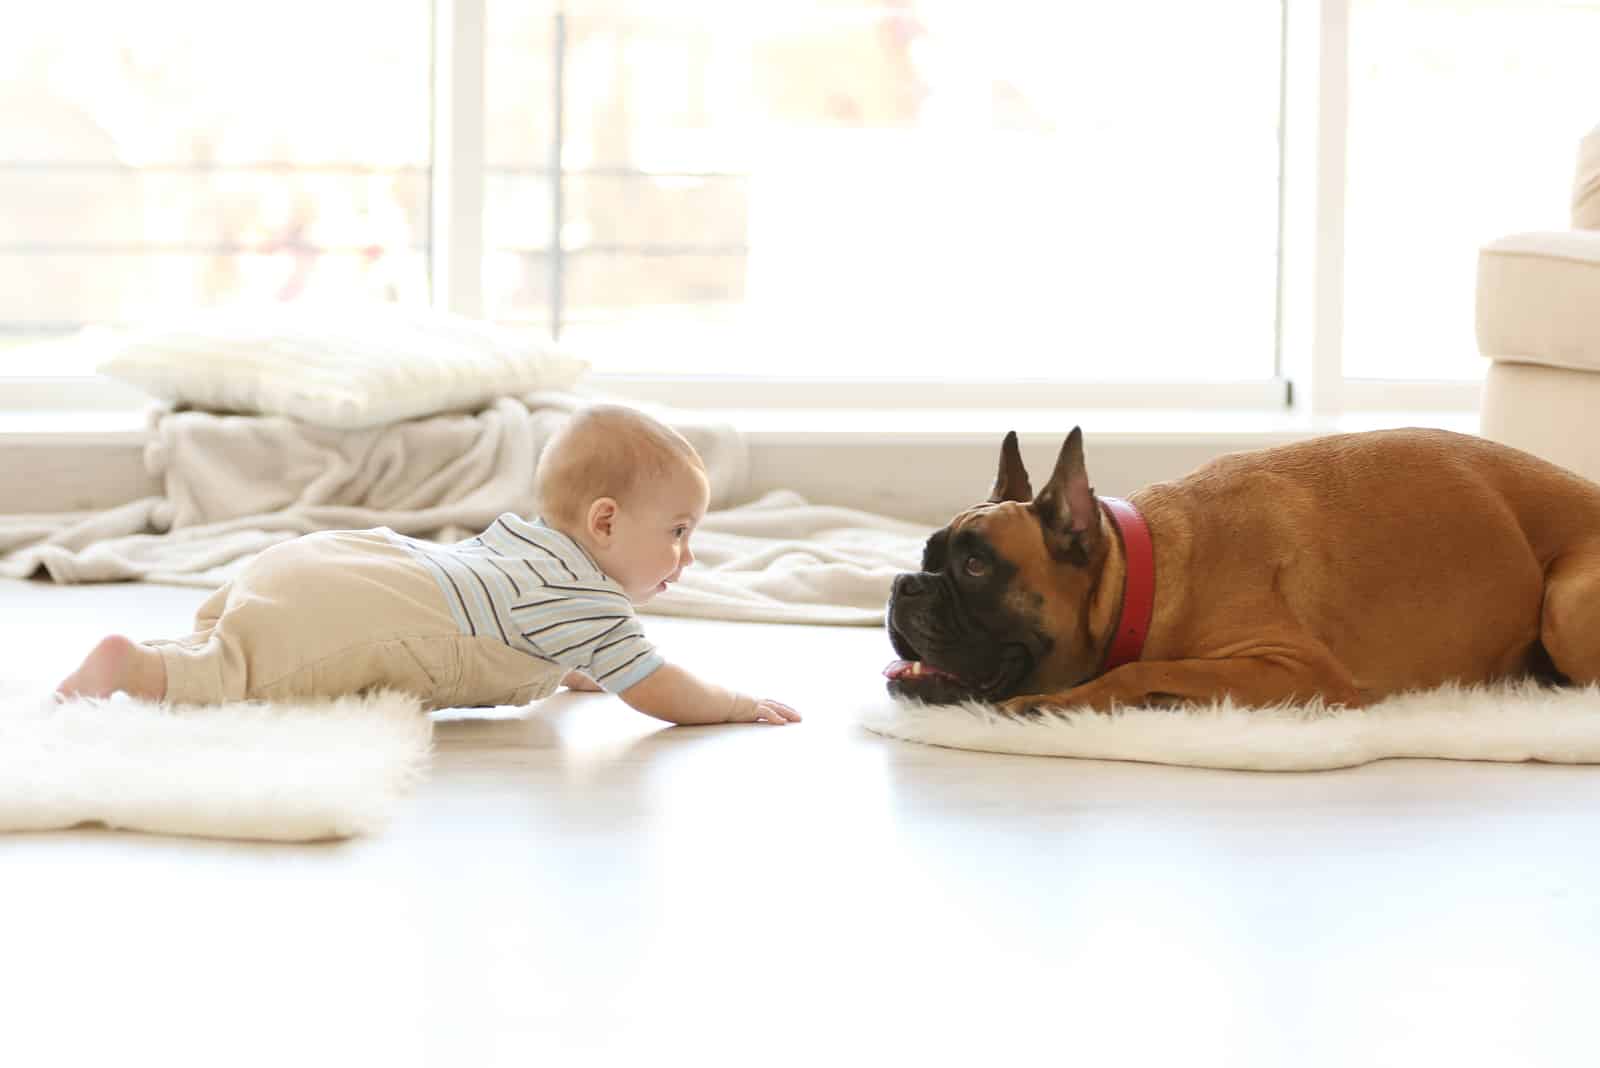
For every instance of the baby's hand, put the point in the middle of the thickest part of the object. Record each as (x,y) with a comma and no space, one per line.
(577,680)
(678,696)
(762,710)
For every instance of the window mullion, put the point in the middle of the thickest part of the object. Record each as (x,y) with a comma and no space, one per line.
(456,201)
(1315,112)
(558,182)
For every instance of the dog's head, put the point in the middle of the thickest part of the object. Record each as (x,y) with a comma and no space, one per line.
(1001,605)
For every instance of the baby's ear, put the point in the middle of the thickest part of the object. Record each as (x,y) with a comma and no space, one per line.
(602,517)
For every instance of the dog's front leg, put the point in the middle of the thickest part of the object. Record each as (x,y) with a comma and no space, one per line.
(1266,679)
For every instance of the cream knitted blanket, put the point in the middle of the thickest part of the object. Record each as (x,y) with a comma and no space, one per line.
(235,485)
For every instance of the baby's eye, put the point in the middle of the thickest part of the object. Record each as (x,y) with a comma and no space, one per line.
(678,532)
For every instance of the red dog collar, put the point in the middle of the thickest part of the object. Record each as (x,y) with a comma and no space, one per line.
(1138,586)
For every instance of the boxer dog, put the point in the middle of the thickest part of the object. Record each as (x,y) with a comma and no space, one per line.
(1346,568)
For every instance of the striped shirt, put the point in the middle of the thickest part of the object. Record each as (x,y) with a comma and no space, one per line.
(538,591)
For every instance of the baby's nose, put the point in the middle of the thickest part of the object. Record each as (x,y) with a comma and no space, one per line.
(687,558)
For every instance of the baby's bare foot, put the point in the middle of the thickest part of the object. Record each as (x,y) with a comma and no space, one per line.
(115,664)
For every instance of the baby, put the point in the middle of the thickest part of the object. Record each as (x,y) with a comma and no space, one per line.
(499,619)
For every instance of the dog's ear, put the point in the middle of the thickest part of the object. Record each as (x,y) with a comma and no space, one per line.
(1011,483)
(1066,506)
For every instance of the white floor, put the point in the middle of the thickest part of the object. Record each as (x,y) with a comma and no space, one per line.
(587,886)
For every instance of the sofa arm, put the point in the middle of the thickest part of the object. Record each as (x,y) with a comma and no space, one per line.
(1538,299)
(1586,188)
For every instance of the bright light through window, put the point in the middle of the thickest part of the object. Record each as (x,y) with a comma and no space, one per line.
(927,188)
(169,154)
(1465,117)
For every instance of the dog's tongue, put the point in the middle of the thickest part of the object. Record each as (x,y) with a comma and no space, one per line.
(898,668)
(914,669)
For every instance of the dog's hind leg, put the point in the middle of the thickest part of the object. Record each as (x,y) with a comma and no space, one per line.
(1569,624)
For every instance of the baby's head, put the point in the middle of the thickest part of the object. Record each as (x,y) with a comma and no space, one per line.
(627,488)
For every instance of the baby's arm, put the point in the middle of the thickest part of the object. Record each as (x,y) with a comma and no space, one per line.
(673,694)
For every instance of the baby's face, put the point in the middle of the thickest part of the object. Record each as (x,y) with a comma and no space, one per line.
(651,546)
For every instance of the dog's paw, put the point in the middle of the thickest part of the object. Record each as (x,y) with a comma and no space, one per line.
(1025,707)
(1038,705)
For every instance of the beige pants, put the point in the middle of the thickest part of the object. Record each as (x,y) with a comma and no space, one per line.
(337,613)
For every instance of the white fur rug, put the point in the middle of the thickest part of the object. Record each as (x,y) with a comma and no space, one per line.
(1510,722)
(277,772)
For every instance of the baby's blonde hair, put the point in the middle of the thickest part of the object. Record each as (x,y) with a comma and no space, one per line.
(607,450)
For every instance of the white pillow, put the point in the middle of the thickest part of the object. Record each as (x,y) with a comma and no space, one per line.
(346,368)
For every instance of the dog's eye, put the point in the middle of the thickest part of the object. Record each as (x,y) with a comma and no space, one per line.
(976,566)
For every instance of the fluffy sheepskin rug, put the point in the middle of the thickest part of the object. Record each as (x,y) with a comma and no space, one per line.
(1508,722)
(278,772)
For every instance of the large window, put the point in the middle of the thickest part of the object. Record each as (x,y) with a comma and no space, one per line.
(168,154)
(910,189)
(1085,194)
(1464,121)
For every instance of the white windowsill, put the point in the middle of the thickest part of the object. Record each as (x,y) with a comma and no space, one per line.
(791,426)
(922,465)
(73,426)
(964,425)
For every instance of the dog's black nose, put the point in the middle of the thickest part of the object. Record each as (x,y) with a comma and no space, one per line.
(909,585)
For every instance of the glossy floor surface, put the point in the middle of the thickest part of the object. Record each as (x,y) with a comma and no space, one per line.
(581,885)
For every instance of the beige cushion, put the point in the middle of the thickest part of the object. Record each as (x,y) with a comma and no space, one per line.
(1539,299)
(1586,188)
(1546,411)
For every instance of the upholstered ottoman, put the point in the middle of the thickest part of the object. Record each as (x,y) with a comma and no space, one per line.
(1538,311)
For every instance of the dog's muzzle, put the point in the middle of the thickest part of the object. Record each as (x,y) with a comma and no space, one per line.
(943,658)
